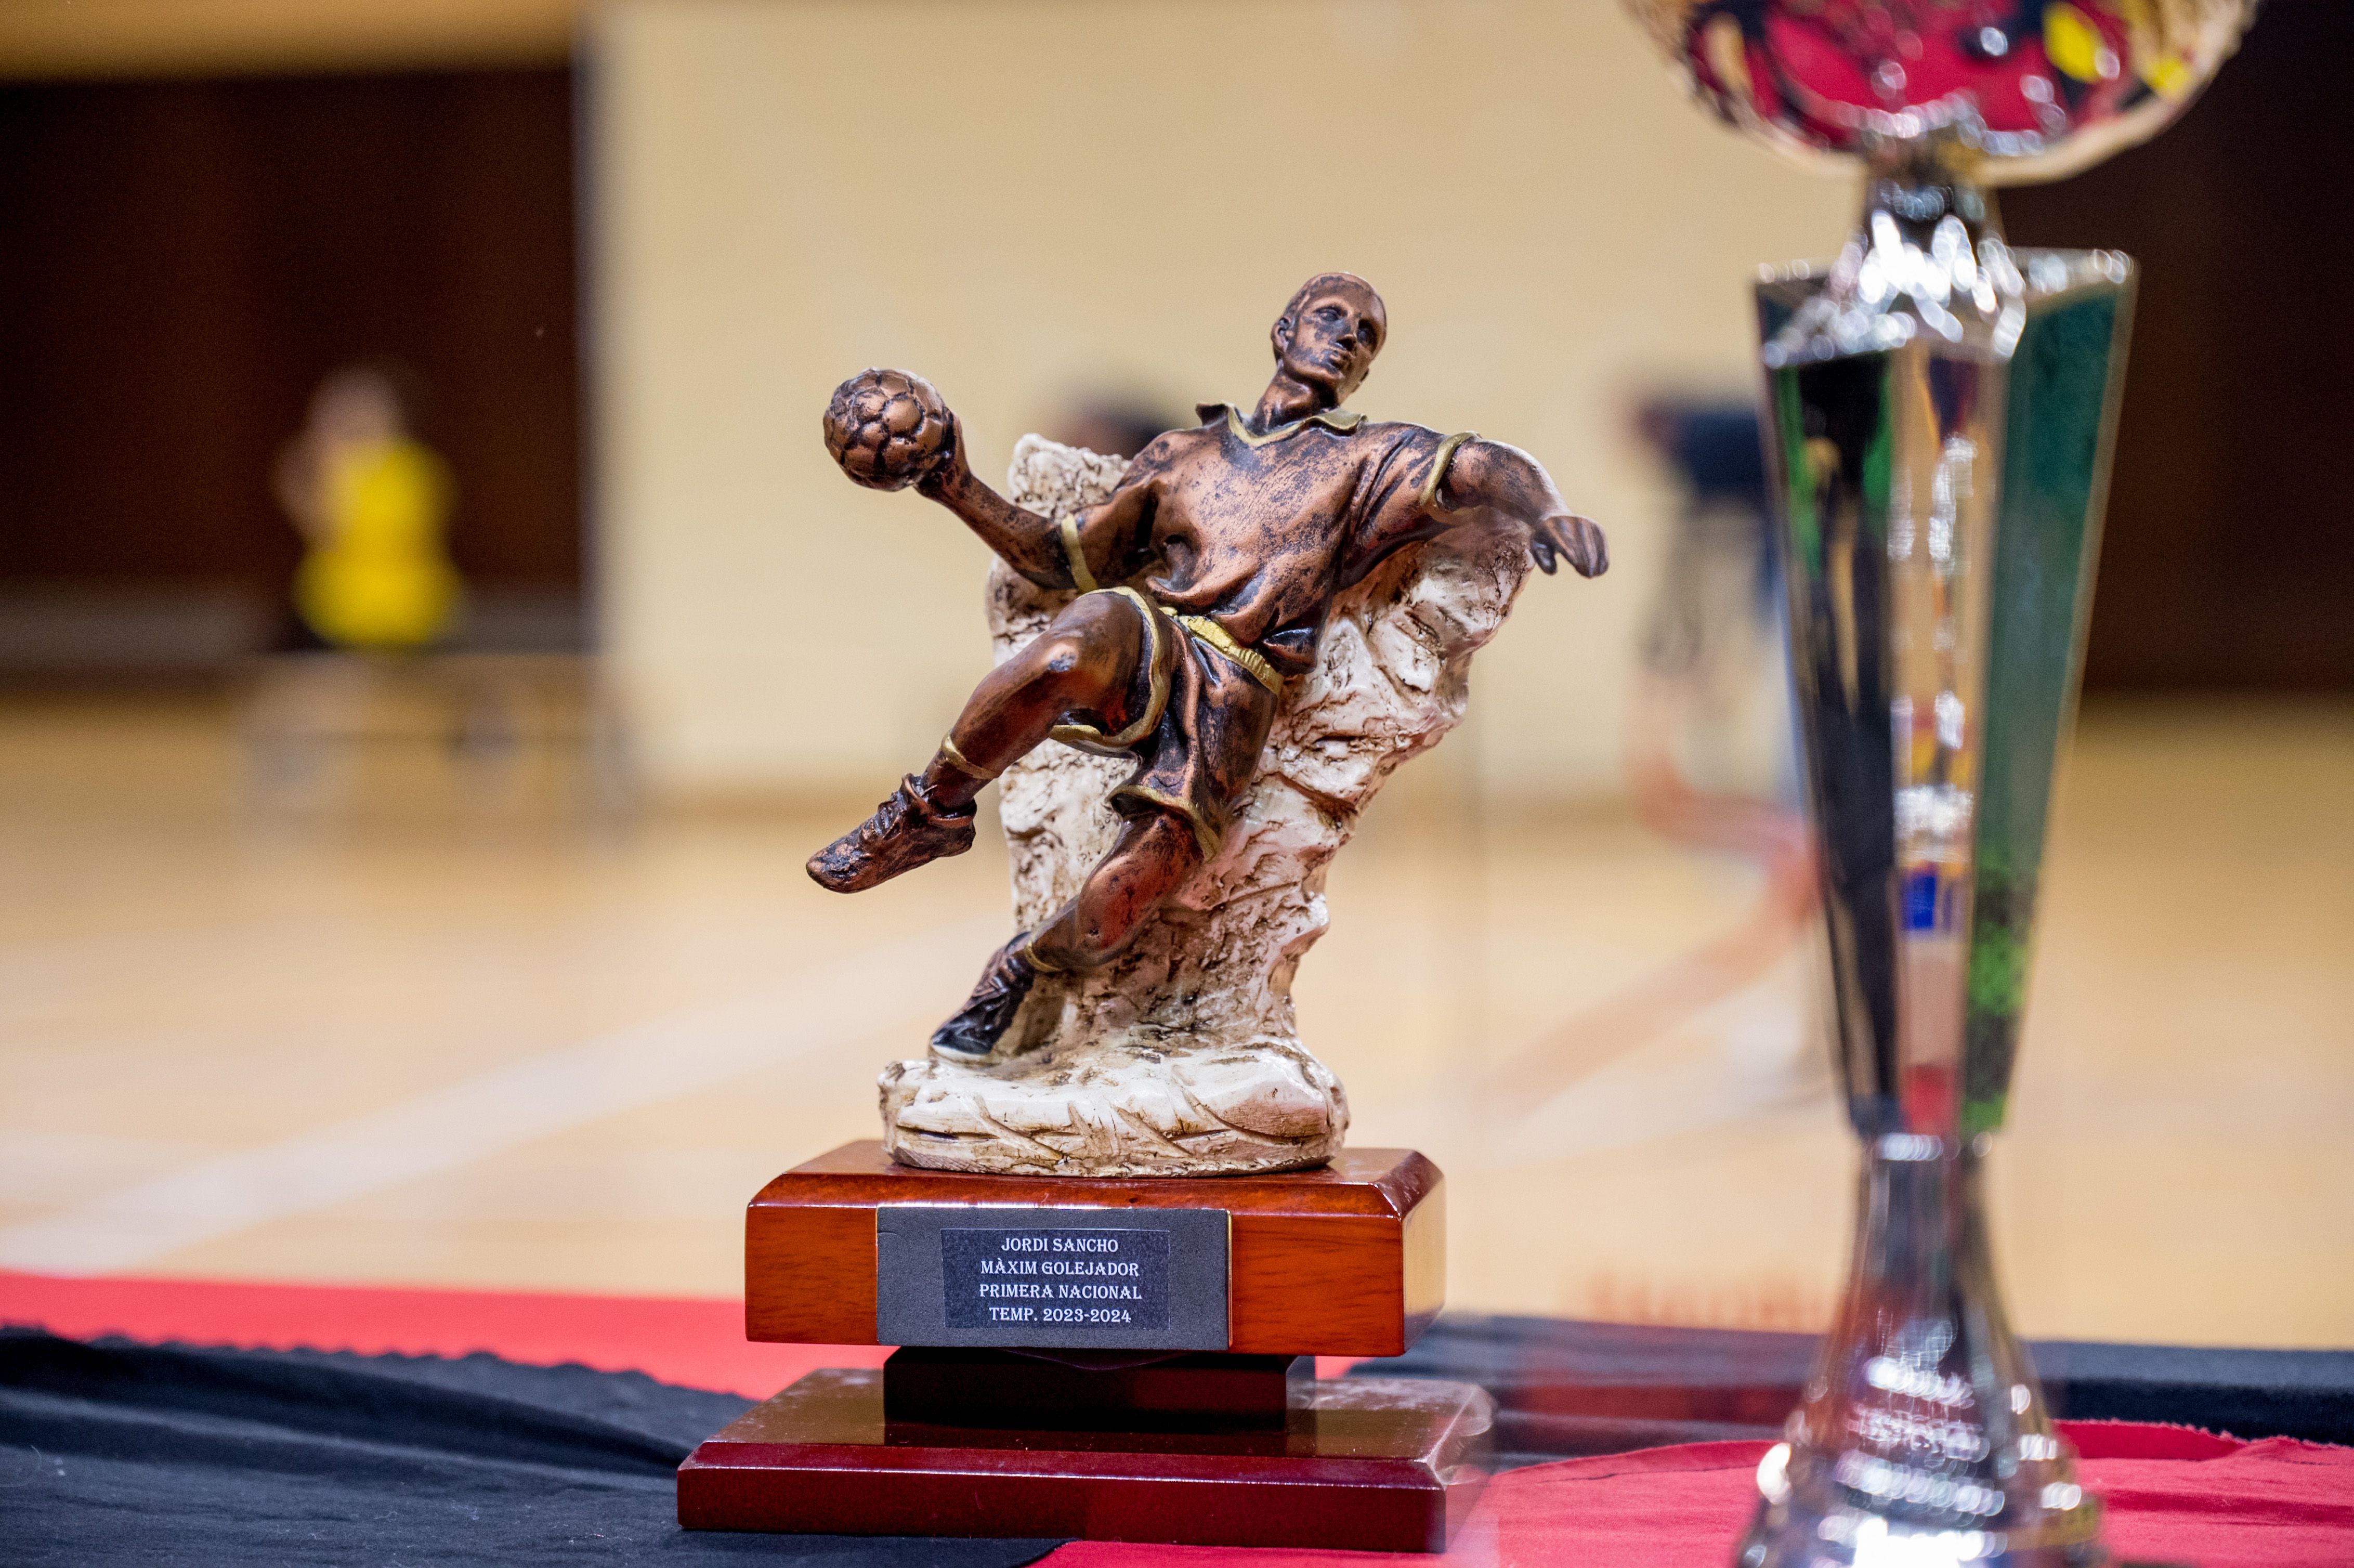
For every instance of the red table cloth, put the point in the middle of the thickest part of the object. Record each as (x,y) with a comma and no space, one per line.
(2175,1495)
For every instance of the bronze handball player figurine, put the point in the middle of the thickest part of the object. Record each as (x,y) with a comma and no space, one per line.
(1204,582)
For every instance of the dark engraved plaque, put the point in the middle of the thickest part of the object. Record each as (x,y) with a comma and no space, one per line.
(1111,1279)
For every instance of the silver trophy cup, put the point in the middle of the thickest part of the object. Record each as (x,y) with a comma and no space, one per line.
(1940,409)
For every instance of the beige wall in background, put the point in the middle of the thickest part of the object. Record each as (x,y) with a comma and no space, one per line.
(1027,197)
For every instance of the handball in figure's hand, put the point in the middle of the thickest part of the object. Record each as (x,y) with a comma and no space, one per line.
(888,429)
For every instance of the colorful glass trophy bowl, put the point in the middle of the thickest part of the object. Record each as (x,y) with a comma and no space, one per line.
(1939,410)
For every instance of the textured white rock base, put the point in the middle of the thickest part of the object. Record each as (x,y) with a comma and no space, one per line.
(1181,1057)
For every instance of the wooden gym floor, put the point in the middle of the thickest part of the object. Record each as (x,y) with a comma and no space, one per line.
(249,1029)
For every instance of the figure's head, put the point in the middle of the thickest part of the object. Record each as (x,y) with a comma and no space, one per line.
(1328,335)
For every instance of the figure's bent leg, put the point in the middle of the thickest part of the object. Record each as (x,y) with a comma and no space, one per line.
(1153,857)
(1085,661)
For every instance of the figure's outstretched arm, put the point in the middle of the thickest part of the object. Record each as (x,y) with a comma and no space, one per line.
(1036,547)
(1488,480)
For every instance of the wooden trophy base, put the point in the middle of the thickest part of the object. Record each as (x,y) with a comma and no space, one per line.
(1110,1360)
(1349,1259)
(1371,1465)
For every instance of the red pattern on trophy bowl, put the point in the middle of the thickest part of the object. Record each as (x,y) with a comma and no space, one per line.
(888,428)
(2030,90)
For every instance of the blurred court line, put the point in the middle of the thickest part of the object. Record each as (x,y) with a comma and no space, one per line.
(1707,976)
(1740,1059)
(827,1007)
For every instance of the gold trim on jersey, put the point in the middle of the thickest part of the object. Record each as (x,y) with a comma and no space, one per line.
(1428,498)
(1075,555)
(1341,421)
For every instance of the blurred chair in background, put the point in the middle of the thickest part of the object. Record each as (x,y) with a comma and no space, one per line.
(1711,755)
(1717,622)
(510,740)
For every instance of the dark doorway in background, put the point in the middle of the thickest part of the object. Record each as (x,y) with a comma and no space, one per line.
(2229,559)
(181,262)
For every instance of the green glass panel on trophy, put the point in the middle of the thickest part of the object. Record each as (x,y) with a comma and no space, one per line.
(2064,378)
(1831,428)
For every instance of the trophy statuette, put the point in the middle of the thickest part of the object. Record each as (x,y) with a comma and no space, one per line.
(1208,659)
(1111,1221)
(1939,414)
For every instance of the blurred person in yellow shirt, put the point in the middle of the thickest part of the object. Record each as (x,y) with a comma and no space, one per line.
(370,500)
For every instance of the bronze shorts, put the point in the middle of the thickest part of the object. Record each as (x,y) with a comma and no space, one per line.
(1207,707)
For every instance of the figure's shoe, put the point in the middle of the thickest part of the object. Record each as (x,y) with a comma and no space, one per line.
(982,1023)
(906,831)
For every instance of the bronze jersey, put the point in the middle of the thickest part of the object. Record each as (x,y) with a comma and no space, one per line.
(1258,533)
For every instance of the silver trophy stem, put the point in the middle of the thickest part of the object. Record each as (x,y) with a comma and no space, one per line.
(1924,1437)
(1941,412)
